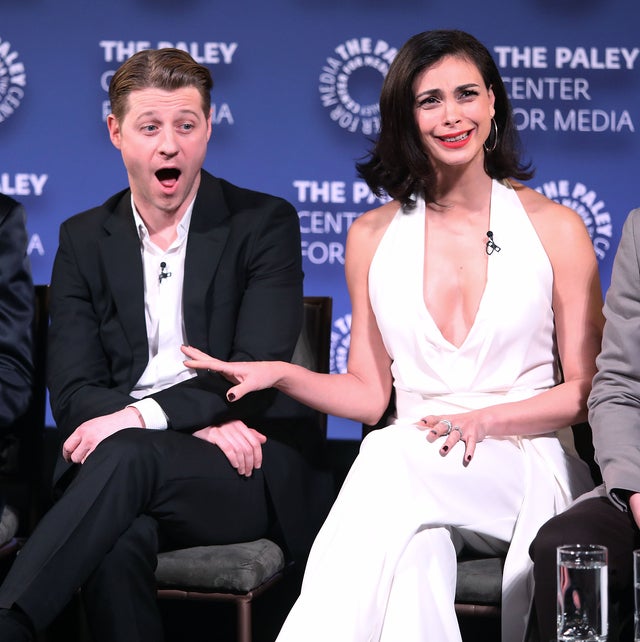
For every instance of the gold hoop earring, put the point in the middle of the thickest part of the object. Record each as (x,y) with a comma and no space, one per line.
(493,132)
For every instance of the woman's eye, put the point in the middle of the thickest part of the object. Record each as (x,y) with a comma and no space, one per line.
(427,102)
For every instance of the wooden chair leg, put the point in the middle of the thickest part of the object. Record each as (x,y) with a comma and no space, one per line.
(244,621)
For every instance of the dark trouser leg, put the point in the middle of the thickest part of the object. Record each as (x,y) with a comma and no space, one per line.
(71,539)
(14,628)
(186,484)
(120,595)
(592,521)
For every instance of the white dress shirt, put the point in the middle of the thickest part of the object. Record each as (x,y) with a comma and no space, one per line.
(163,281)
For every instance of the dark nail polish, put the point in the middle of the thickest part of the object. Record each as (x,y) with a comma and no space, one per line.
(445,448)
(231,396)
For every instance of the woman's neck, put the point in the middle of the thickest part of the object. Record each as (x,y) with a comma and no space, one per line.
(463,191)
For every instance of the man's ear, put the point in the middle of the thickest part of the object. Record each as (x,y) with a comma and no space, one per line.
(209,121)
(114,130)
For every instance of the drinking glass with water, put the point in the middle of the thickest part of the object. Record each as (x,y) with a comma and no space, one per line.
(582,593)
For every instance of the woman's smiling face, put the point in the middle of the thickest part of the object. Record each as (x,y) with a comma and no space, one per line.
(453,111)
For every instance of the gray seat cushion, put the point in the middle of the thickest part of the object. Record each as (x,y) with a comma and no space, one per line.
(480,581)
(236,568)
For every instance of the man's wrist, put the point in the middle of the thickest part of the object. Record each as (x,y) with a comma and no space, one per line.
(153,417)
(138,414)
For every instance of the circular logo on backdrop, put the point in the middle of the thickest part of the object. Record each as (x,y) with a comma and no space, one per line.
(350,83)
(340,342)
(591,208)
(13,80)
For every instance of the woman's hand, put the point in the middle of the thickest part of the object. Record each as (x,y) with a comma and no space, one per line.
(464,427)
(247,375)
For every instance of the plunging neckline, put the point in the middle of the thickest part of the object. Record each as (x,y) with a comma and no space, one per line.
(422,256)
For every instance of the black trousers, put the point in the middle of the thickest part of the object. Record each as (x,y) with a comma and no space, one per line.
(139,492)
(591,521)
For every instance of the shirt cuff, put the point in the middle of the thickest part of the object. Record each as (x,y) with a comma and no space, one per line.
(620,497)
(152,414)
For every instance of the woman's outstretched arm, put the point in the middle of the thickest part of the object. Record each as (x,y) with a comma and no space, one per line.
(363,392)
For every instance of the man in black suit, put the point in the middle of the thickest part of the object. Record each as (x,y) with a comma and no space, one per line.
(154,456)
(16,365)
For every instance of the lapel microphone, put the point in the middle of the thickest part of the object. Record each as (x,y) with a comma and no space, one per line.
(163,273)
(491,247)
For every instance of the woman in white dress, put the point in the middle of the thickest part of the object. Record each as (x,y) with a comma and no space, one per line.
(478,300)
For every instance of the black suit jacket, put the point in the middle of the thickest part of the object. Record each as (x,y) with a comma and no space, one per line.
(242,300)
(16,313)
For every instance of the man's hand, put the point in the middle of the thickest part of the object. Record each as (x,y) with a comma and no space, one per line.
(241,445)
(84,439)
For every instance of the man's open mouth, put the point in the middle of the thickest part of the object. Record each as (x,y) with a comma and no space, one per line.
(168,176)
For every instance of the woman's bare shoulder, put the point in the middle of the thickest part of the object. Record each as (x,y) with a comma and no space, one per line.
(367,230)
(548,216)
(558,227)
(370,226)
(377,218)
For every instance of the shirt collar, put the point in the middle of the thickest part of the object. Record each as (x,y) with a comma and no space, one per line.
(183,225)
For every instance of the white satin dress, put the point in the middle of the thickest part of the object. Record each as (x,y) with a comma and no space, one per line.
(383,566)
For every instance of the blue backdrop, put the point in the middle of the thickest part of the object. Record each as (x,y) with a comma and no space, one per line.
(295,98)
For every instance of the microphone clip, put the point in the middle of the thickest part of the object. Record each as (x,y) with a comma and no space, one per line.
(491,247)
(163,273)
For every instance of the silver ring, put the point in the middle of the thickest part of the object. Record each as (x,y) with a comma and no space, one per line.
(458,429)
(449,426)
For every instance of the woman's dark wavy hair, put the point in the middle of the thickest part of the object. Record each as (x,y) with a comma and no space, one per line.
(398,164)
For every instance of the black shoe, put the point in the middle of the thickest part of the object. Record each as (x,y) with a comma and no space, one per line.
(15,627)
